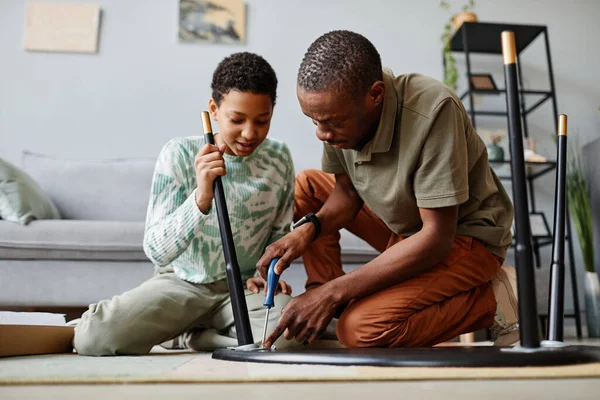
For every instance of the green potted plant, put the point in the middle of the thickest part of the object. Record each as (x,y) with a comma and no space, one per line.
(456,20)
(581,214)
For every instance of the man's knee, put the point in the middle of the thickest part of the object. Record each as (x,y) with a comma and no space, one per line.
(356,329)
(307,175)
(305,182)
(311,189)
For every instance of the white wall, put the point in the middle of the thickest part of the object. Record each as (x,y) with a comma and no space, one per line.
(143,87)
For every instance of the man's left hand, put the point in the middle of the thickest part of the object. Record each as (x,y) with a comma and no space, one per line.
(305,317)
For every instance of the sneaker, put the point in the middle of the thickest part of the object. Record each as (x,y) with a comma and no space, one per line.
(506,321)
(177,343)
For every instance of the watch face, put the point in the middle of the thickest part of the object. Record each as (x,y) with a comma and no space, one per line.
(299,222)
(308,217)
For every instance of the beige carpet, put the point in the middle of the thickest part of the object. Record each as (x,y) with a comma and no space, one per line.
(185,367)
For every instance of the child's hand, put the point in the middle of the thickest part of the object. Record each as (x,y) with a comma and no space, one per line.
(209,164)
(256,283)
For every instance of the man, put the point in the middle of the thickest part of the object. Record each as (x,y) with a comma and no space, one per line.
(412,178)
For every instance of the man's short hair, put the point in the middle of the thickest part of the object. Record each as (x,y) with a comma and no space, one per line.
(344,60)
(246,72)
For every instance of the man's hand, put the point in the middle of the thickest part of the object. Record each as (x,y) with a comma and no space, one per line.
(209,164)
(255,284)
(288,248)
(305,317)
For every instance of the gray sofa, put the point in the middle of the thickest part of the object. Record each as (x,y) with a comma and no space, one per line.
(95,252)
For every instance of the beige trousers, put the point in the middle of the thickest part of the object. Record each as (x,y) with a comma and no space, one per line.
(165,307)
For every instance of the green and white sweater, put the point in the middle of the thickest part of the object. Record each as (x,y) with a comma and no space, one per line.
(259,191)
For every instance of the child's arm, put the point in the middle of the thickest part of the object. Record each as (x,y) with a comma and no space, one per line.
(285,211)
(173,217)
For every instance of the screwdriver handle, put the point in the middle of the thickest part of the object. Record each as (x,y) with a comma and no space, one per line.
(272,281)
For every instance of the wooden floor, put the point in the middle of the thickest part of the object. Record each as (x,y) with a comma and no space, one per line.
(431,390)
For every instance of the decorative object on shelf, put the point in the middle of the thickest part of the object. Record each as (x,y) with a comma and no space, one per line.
(465,15)
(529,150)
(462,17)
(213,21)
(495,152)
(483,82)
(62,27)
(581,211)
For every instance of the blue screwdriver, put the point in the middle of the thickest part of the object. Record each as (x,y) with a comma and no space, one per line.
(272,281)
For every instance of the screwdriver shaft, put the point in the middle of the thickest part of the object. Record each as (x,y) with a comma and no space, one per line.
(264,337)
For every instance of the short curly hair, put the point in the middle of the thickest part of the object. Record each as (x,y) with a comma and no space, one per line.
(341,59)
(246,72)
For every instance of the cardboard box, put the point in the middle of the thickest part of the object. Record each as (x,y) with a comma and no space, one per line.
(20,340)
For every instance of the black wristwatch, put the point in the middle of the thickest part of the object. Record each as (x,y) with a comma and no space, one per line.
(312,218)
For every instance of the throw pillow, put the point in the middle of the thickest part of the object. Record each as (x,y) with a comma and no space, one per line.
(21,198)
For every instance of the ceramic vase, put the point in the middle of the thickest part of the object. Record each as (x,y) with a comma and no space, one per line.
(495,152)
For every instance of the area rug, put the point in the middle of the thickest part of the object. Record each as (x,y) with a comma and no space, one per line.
(185,367)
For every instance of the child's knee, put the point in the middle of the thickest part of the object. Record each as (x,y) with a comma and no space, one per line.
(99,335)
(91,337)
(281,300)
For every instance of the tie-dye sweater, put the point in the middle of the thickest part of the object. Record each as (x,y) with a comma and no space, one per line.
(259,191)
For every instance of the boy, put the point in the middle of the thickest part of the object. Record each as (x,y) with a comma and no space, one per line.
(187,305)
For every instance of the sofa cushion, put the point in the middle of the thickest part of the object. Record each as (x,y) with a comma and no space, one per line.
(21,198)
(106,190)
(63,283)
(72,240)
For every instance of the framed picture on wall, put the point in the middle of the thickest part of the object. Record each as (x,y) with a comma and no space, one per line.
(62,27)
(212,21)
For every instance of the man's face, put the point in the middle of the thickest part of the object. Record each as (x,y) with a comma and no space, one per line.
(341,121)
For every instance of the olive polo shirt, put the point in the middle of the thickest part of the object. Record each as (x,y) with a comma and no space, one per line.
(426,154)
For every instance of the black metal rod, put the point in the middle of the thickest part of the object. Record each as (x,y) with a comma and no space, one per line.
(234,276)
(542,172)
(536,105)
(556,306)
(490,113)
(531,193)
(536,247)
(523,107)
(551,80)
(572,269)
(528,318)
(468,64)
(573,276)
(535,92)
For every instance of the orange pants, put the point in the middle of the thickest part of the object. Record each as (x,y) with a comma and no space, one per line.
(451,298)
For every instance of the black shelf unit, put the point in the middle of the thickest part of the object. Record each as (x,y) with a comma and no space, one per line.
(484,38)
(533,170)
(544,93)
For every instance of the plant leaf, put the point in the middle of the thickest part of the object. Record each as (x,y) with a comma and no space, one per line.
(579,206)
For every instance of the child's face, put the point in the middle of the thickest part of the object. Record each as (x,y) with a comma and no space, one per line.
(244,119)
